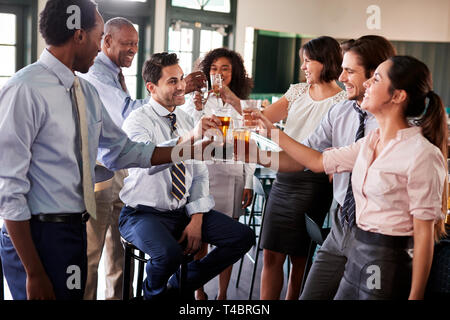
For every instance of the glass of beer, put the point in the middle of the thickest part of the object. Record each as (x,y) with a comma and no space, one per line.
(224,115)
(241,139)
(247,107)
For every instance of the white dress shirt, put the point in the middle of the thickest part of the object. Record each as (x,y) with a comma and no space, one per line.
(153,187)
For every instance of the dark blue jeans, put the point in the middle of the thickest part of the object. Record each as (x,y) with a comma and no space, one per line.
(62,249)
(157,233)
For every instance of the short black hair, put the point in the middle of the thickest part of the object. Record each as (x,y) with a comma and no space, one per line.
(152,68)
(53,19)
(327,51)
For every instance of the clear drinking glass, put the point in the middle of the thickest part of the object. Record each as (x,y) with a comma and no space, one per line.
(247,107)
(204,93)
(241,139)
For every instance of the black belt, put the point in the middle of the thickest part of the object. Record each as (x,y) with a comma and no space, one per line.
(69,218)
(401,242)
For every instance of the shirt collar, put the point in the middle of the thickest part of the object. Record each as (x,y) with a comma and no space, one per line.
(159,109)
(62,72)
(402,134)
(108,62)
(355,105)
(406,133)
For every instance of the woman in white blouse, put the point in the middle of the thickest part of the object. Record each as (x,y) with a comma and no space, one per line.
(399,180)
(230,184)
(296,193)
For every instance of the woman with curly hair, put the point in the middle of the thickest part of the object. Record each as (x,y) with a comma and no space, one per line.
(230,184)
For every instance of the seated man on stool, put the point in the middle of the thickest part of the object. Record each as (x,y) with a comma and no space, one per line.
(171,205)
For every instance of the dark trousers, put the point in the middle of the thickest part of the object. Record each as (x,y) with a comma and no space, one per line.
(328,267)
(62,250)
(157,233)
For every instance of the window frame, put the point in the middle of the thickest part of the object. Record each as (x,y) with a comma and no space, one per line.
(26,30)
(206,18)
(142,14)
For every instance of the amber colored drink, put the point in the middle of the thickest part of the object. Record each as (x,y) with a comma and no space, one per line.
(241,136)
(249,122)
(225,125)
(216,89)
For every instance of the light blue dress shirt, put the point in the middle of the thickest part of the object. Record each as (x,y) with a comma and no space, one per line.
(39,171)
(104,76)
(338,129)
(152,187)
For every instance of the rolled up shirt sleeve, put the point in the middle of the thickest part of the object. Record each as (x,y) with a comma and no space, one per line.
(337,160)
(20,120)
(200,200)
(426,178)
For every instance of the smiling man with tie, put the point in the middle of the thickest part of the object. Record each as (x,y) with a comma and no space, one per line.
(119,47)
(169,208)
(51,125)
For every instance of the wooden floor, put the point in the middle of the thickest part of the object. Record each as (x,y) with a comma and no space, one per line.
(243,290)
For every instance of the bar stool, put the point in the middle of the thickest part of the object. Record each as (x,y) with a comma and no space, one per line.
(317,235)
(259,192)
(2,287)
(142,260)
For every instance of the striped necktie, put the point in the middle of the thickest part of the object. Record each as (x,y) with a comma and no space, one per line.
(88,189)
(348,209)
(178,171)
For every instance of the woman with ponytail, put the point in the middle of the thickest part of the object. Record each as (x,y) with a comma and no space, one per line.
(399,180)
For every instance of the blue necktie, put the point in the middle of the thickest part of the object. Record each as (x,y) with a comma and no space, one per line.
(348,209)
(178,171)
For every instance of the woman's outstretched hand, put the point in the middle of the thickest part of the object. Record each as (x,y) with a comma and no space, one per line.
(265,126)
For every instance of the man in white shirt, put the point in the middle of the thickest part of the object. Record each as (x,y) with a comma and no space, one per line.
(119,47)
(169,208)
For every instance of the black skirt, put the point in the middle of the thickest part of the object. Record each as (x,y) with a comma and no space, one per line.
(292,195)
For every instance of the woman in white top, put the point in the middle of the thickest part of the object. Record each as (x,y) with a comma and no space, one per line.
(294,194)
(230,184)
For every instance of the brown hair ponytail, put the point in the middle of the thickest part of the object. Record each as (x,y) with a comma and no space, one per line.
(434,128)
(413,76)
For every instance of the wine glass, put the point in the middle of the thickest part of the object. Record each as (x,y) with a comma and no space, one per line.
(204,93)
(216,83)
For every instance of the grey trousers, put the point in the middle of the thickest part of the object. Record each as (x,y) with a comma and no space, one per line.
(379,267)
(357,265)
(329,265)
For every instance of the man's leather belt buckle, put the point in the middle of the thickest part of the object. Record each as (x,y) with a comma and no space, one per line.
(68,218)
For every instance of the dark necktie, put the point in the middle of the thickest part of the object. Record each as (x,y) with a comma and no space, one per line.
(178,171)
(122,81)
(348,209)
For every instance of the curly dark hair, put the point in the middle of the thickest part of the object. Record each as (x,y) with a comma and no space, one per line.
(241,84)
(53,19)
(152,68)
(327,51)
